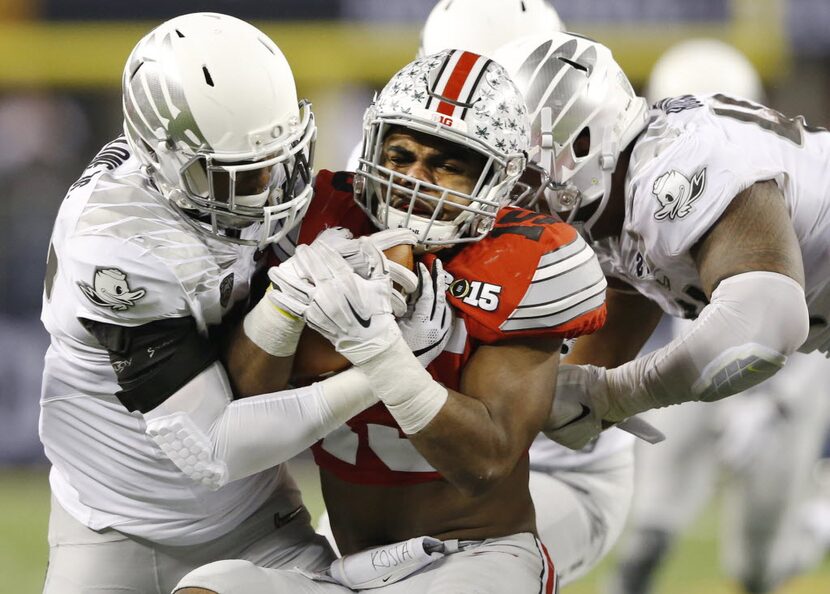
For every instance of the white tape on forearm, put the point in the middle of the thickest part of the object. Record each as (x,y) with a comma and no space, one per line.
(275,331)
(405,387)
(753,323)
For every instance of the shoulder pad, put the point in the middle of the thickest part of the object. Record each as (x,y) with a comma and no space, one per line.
(531,275)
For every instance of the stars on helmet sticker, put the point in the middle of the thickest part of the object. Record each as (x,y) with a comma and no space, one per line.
(110,289)
(490,111)
(676,193)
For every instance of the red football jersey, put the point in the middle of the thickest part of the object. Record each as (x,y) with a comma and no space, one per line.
(532,275)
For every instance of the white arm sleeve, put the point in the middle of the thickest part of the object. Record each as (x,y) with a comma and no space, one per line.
(754,322)
(214,439)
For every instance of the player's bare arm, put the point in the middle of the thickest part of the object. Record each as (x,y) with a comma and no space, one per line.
(631,320)
(252,370)
(754,234)
(481,432)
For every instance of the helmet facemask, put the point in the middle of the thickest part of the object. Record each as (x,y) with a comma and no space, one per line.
(219,128)
(274,191)
(438,215)
(584,112)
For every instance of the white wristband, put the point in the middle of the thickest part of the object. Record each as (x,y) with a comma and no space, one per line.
(405,387)
(272,329)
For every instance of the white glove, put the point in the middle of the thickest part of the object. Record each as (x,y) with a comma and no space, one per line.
(581,401)
(427,328)
(354,251)
(291,282)
(581,398)
(276,322)
(352,312)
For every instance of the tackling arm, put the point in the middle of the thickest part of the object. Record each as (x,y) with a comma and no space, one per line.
(750,264)
(215,440)
(170,374)
(250,369)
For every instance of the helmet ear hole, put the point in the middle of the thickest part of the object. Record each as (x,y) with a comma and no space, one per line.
(582,144)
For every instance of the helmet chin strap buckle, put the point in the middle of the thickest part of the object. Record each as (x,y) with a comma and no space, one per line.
(609,154)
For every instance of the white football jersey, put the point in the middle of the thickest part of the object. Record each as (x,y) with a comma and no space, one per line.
(696,155)
(120,254)
(548,456)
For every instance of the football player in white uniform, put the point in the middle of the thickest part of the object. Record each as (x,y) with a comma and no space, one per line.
(157,468)
(765,539)
(709,207)
(581,497)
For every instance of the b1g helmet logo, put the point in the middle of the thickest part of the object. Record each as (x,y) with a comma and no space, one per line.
(476,293)
(443,119)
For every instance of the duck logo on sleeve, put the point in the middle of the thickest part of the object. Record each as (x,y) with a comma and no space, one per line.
(676,193)
(110,289)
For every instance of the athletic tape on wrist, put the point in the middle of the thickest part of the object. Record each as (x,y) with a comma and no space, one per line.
(272,329)
(405,387)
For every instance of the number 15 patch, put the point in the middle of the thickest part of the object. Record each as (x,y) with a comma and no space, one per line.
(476,293)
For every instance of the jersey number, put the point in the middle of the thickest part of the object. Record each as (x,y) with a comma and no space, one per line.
(791,129)
(476,293)
(396,452)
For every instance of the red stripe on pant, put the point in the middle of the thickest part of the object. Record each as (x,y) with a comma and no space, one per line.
(550,583)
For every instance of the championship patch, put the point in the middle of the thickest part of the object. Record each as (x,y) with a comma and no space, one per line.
(476,293)
(110,289)
(676,193)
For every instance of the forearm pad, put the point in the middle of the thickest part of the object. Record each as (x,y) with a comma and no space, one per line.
(215,440)
(753,323)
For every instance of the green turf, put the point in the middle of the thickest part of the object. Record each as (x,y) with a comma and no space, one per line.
(24,509)
(24,514)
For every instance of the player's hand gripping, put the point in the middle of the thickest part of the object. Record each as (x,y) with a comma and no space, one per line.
(427,327)
(352,312)
(292,285)
(580,403)
(404,280)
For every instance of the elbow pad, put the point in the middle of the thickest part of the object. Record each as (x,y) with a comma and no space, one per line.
(214,439)
(754,322)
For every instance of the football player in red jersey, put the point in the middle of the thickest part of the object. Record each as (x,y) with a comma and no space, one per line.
(438,470)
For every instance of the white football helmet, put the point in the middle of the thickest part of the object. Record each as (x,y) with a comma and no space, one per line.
(210,109)
(575,91)
(702,66)
(460,97)
(482,26)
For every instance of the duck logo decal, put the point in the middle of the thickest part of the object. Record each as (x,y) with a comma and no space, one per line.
(110,289)
(676,193)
